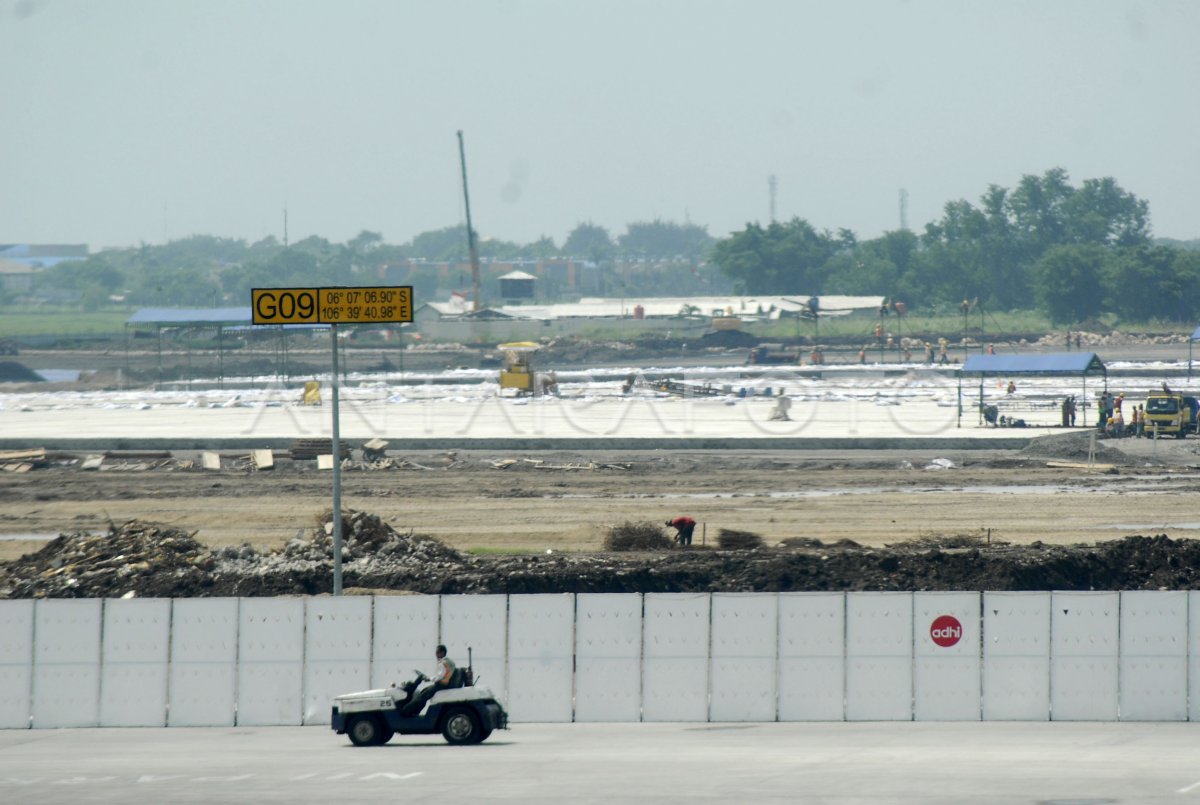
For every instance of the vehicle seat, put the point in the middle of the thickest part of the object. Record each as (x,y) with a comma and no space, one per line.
(456,678)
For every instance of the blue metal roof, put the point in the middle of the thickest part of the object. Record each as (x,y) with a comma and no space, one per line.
(231,318)
(180,315)
(1056,363)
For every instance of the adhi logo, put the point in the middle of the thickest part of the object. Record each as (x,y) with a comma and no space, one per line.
(945,630)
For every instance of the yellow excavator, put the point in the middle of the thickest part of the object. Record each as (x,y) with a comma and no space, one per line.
(518,371)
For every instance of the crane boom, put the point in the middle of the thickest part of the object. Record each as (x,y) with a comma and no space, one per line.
(471,247)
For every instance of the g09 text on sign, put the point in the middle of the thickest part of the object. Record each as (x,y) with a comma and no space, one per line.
(332,305)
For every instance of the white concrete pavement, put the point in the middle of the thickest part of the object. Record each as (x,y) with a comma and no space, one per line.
(994,763)
(493,417)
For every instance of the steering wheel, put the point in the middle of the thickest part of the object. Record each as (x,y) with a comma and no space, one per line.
(420,676)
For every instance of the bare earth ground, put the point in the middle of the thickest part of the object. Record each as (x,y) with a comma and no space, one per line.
(555,501)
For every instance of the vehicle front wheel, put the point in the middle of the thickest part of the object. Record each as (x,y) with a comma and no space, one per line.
(366,731)
(461,727)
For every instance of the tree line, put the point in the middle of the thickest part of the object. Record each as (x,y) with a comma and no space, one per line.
(1071,251)
(208,271)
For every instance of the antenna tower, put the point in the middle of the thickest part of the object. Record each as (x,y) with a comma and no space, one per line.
(772,186)
(904,209)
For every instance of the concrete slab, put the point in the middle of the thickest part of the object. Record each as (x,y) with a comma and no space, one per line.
(837,763)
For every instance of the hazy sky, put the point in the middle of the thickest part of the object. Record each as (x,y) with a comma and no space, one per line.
(150,120)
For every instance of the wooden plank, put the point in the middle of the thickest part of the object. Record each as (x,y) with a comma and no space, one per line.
(35,454)
(1077,465)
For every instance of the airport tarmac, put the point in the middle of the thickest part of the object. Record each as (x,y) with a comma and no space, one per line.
(996,763)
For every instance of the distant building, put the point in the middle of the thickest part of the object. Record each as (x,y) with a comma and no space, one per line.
(16,277)
(38,255)
(516,285)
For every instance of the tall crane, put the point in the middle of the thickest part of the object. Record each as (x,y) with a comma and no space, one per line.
(471,247)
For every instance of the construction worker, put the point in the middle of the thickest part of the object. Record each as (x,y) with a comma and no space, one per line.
(684,526)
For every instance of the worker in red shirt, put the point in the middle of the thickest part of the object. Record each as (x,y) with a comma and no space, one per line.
(685,526)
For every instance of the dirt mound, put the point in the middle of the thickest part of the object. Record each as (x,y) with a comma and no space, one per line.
(1075,447)
(142,559)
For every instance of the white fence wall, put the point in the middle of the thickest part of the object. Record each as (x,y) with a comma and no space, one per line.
(1016,656)
(608,657)
(133,674)
(270,661)
(541,651)
(812,656)
(1132,656)
(204,660)
(16,663)
(879,656)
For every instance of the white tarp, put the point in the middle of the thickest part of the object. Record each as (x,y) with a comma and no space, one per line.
(337,651)
(946,673)
(541,638)
(1154,657)
(133,675)
(879,656)
(16,663)
(204,645)
(608,657)
(66,662)
(742,668)
(675,652)
(478,622)
(812,656)
(1016,656)
(270,661)
(406,634)
(1083,656)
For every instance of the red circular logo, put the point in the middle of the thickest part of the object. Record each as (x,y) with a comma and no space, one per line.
(945,630)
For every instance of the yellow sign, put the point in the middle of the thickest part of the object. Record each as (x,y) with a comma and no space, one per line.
(284,305)
(363,305)
(331,305)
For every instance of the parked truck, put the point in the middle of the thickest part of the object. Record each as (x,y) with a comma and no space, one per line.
(1172,414)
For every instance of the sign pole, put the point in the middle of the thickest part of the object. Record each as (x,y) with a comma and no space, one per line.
(337,472)
(345,305)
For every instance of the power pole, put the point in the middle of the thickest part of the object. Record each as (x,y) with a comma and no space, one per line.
(471,248)
(772,186)
(285,234)
(903,209)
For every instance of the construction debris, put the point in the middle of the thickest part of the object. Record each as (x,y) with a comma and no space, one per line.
(374,450)
(210,461)
(262,459)
(312,448)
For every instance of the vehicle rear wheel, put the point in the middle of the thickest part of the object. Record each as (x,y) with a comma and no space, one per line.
(483,735)
(366,731)
(461,727)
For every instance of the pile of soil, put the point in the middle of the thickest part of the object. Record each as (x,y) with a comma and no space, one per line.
(141,559)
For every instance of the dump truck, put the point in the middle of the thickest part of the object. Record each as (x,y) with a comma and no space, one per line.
(1172,414)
